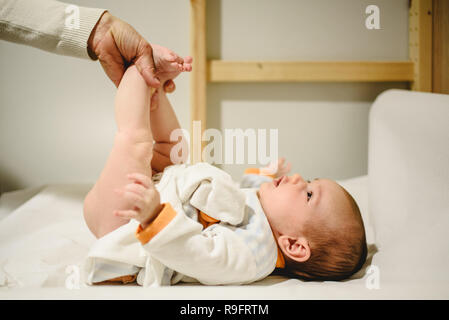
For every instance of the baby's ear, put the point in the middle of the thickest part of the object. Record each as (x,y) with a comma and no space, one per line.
(295,248)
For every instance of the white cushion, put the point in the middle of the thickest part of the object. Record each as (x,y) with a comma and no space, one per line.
(408,181)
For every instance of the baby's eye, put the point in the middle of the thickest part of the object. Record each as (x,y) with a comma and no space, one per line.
(309,195)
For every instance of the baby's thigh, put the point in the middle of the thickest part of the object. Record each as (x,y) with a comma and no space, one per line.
(125,158)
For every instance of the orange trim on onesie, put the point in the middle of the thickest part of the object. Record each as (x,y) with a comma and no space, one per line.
(258,172)
(119,280)
(280,262)
(160,222)
(206,220)
(252,171)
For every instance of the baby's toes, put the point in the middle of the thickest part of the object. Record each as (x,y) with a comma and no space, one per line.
(173,57)
(187,67)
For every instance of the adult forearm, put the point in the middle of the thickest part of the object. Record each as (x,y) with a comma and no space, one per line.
(49,25)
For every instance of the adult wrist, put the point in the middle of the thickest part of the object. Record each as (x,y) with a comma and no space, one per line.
(101,28)
(77,28)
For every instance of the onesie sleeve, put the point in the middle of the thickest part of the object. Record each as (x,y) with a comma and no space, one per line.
(253,178)
(160,222)
(214,255)
(49,25)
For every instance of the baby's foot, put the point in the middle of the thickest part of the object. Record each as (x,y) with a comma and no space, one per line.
(168,64)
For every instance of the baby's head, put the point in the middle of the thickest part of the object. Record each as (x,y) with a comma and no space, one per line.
(317,226)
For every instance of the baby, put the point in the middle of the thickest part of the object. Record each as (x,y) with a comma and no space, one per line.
(196,224)
(316,224)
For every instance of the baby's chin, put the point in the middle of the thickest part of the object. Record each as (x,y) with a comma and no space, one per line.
(262,189)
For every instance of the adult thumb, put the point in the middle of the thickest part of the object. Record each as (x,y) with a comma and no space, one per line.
(145,64)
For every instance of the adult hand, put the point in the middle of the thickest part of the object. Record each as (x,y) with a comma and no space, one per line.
(117,45)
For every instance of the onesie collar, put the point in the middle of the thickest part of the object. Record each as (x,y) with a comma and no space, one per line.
(280,262)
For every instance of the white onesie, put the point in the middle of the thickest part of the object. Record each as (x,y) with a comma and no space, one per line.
(209,230)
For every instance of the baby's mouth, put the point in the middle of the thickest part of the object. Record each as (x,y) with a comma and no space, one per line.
(277,181)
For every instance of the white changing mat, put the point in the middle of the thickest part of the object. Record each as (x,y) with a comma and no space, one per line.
(45,240)
(44,236)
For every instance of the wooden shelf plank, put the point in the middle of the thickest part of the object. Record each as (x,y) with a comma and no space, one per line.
(198,83)
(309,71)
(420,44)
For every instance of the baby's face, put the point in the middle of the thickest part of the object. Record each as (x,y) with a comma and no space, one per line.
(290,202)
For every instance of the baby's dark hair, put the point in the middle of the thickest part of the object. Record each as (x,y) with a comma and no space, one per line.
(336,253)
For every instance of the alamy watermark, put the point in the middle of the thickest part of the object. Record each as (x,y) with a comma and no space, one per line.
(235,146)
(72,19)
(74,277)
(373,20)
(372,281)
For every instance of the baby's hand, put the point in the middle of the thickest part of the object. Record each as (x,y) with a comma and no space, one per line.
(143,198)
(277,168)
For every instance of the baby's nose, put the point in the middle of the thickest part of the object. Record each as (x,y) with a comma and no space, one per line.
(296,178)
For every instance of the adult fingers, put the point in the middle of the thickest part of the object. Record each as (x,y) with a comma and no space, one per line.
(145,64)
(169,86)
(111,60)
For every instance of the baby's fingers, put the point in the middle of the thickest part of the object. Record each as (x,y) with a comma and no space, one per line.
(132,198)
(287,168)
(140,178)
(135,188)
(280,162)
(126,214)
(169,86)
(283,170)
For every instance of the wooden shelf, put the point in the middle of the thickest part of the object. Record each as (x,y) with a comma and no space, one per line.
(309,71)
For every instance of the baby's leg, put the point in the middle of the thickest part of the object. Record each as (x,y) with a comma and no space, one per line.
(131,153)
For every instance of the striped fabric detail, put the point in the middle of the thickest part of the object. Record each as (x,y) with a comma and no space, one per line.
(257,235)
(253,180)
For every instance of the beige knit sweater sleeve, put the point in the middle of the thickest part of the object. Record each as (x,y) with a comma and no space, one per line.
(49,25)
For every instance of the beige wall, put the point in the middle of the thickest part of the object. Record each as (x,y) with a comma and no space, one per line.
(322,127)
(56,113)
